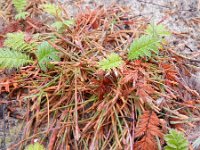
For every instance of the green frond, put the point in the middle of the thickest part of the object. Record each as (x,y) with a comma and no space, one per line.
(21,15)
(20,5)
(112,61)
(60,26)
(52,9)
(158,30)
(143,47)
(175,141)
(35,146)
(13,59)
(16,42)
(45,54)
(69,22)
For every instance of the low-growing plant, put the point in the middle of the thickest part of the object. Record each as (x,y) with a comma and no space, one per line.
(176,141)
(13,59)
(61,25)
(45,54)
(16,52)
(141,47)
(112,61)
(157,30)
(52,9)
(20,6)
(16,41)
(146,44)
(80,106)
(35,146)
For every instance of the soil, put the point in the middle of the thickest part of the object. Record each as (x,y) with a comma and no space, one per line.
(182,17)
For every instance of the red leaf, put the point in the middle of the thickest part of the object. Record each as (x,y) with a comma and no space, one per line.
(12,27)
(170,74)
(1,41)
(130,76)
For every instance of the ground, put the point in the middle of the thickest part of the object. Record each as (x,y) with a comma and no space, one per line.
(182,17)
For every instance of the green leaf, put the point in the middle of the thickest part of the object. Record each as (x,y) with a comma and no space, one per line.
(20,5)
(21,15)
(112,61)
(45,54)
(52,9)
(35,146)
(176,141)
(158,30)
(16,42)
(58,25)
(69,22)
(13,59)
(143,47)
(167,148)
(61,26)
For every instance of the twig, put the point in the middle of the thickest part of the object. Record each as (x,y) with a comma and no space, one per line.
(184,57)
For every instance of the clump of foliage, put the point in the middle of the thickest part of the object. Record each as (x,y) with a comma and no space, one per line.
(45,54)
(13,59)
(17,52)
(104,91)
(176,141)
(149,43)
(143,47)
(112,61)
(61,25)
(13,55)
(17,42)
(20,6)
(35,146)
(157,30)
(52,9)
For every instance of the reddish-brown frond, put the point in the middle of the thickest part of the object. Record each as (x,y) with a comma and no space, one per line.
(130,76)
(170,74)
(146,131)
(144,90)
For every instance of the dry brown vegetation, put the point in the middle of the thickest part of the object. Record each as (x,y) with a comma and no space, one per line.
(76,105)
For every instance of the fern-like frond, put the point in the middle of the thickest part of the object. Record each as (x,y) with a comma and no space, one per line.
(19,5)
(69,22)
(35,146)
(13,59)
(143,47)
(176,141)
(157,30)
(52,9)
(146,131)
(60,25)
(45,54)
(112,61)
(16,42)
(21,15)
